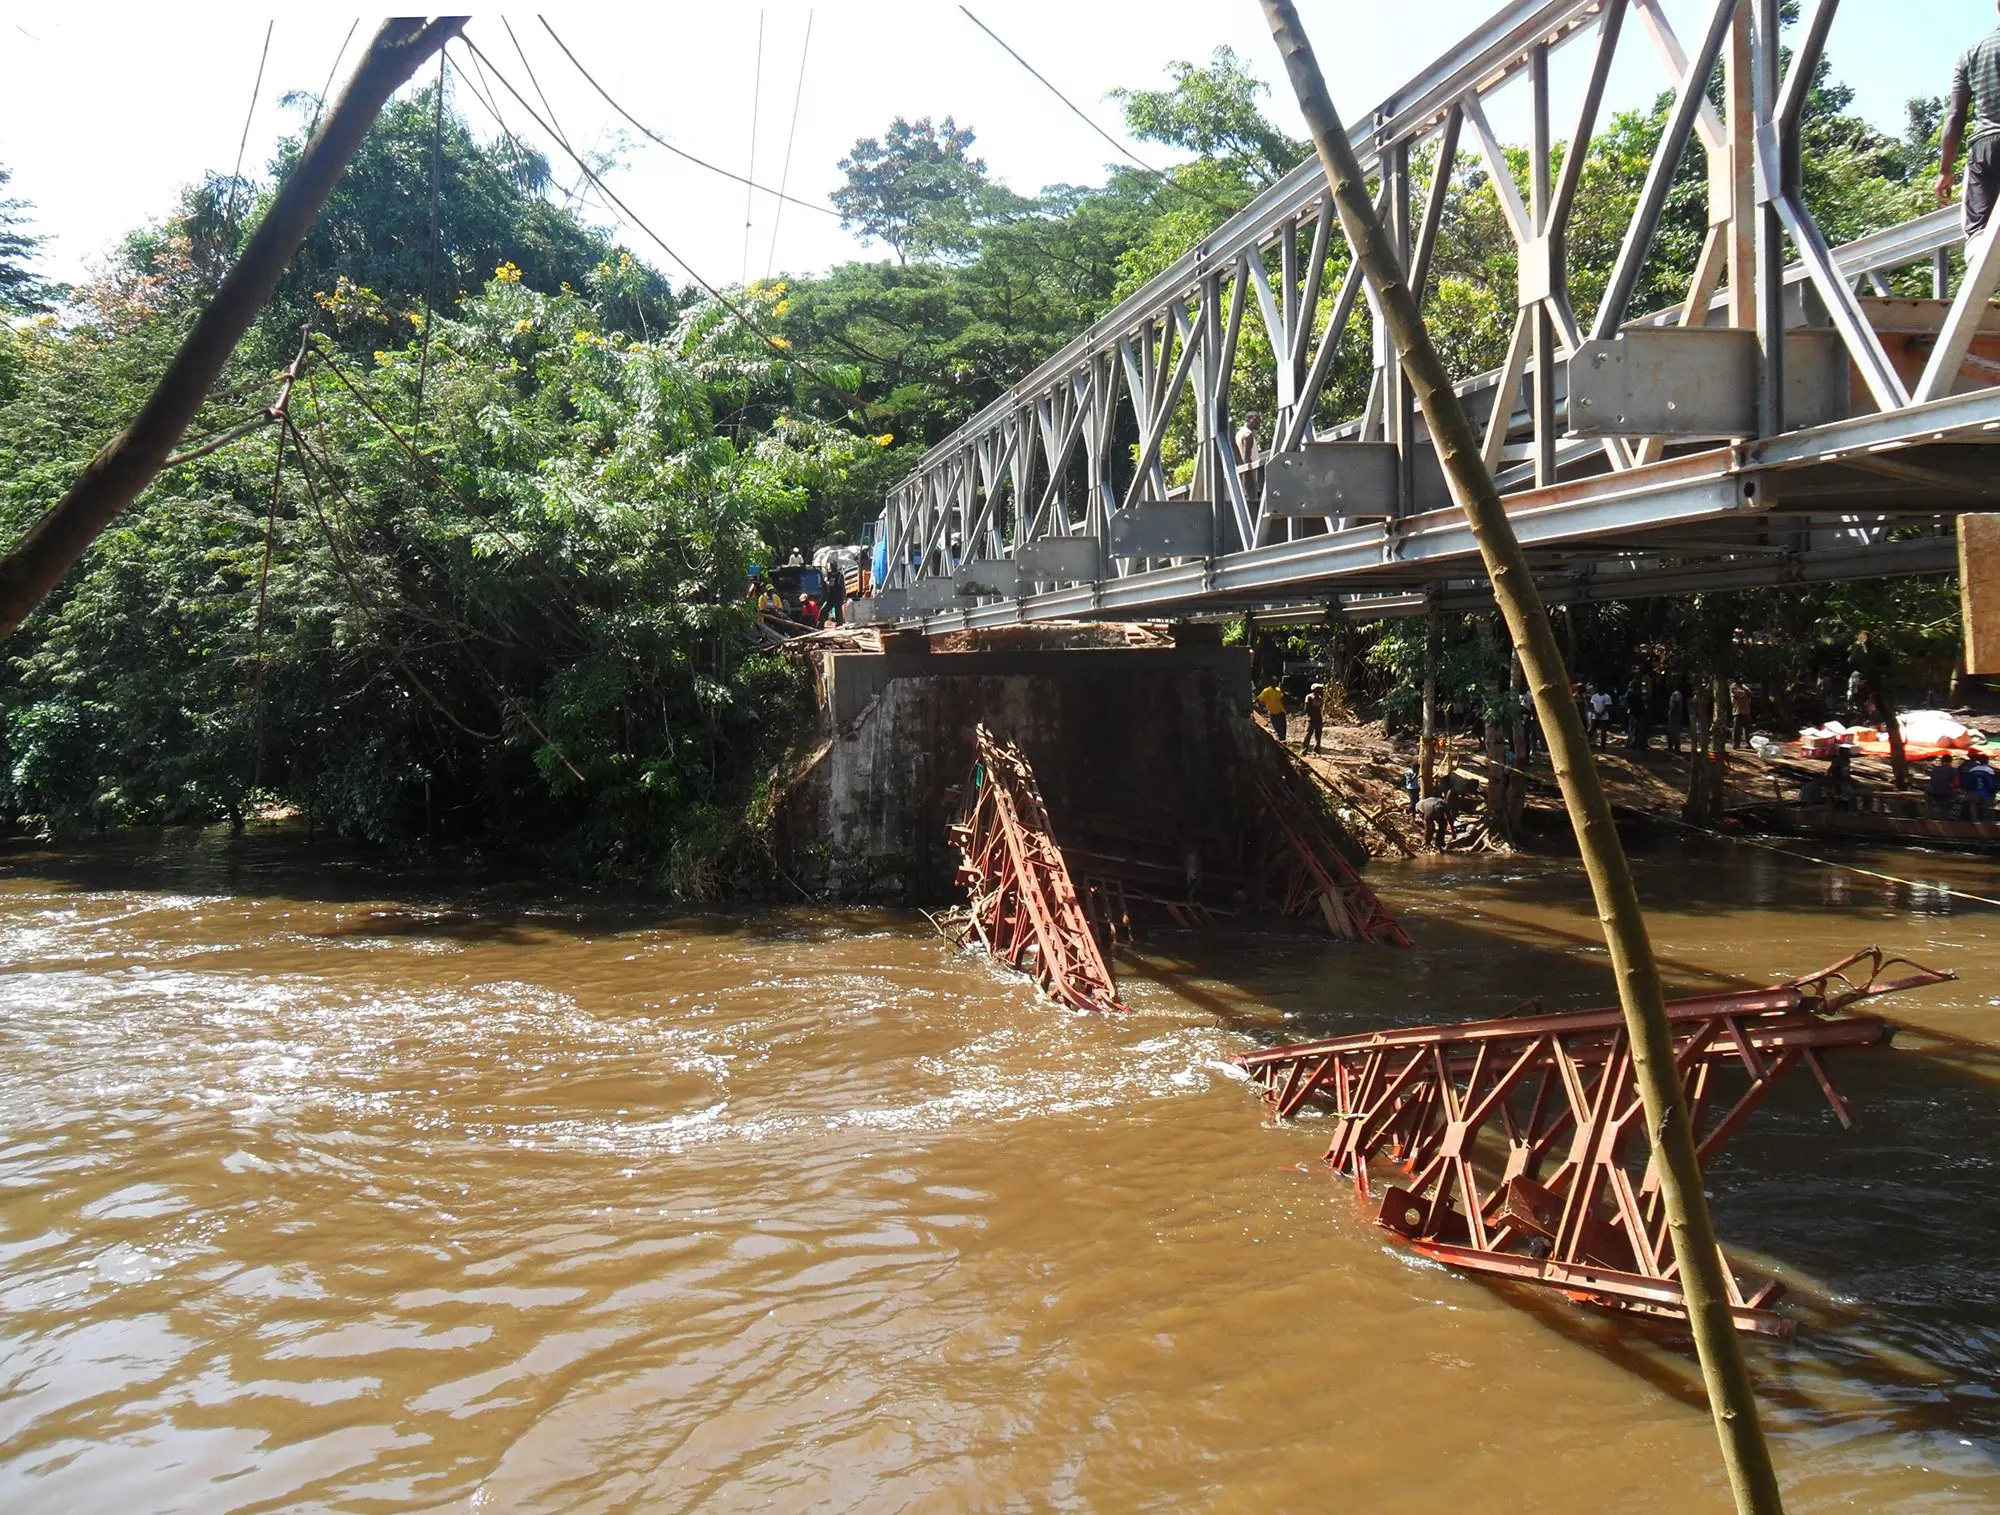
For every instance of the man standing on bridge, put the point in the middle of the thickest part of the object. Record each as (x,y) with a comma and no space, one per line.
(1975,82)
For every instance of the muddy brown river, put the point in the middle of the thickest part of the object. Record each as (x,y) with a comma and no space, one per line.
(323,1187)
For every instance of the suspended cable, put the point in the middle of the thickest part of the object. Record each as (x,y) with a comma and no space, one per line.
(243,142)
(1078,112)
(263,597)
(415,456)
(535,83)
(430,273)
(574,194)
(777,344)
(791,135)
(654,137)
(750,179)
(319,105)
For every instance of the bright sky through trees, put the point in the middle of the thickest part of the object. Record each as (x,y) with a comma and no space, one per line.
(108,110)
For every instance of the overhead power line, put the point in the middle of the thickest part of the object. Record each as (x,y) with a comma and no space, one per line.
(750,194)
(236,177)
(654,137)
(791,135)
(1083,116)
(777,344)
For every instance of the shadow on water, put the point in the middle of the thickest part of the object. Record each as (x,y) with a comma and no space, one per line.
(466,900)
(1887,1237)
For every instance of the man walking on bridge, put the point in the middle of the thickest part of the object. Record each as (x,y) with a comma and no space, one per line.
(1975,82)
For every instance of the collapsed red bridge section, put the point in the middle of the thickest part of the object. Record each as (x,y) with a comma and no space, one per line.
(1519,1144)
(1024,903)
(1055,912)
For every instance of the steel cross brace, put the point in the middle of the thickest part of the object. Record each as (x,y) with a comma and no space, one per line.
(1025,906)
(1518,1145)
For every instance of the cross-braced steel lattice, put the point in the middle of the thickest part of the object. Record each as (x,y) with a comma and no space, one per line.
(1025,907)
(1519,1146)
(1314,874)
(1790,420)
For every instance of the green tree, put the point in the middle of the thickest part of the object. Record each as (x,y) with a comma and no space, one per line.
(21,288)
(917,188)
(1213,112)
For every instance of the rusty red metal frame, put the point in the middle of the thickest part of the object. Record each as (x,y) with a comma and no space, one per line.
(1317,874)
(1519,1143)
(1025,906)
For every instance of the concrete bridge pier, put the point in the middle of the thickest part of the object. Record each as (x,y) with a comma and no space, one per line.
(1135,733)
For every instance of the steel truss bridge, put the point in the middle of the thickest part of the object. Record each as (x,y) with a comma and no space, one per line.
(1792,421)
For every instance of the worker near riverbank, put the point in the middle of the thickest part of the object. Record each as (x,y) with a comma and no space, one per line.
(1435,814)
(1315,718)
(1975,84)
(835,594)
(1272,699)
(1739,715)
(1941,790)
(1978,782)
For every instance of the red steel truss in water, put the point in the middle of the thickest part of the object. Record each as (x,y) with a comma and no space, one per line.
(1519,1144)
(1316,875)
(1024,904)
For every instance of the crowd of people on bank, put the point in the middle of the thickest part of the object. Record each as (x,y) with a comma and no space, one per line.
(1645,706)
(800,596)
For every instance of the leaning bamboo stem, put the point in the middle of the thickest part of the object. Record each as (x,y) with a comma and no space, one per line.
(130,460)
(1731,1398)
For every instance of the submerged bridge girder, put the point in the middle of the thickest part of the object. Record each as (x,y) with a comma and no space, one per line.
(1793,420)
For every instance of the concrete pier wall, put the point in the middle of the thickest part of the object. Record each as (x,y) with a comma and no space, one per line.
(1118,724)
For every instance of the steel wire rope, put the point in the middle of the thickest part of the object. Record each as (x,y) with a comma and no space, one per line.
(361,601)
(618,208)
(510,701)
(319,105)
(430,270)
(281,410)
(573,194)
(465,630)
(1077,111)
(750,179)
(654,137)
(263,598)
(243,142)
(780,345)
(417,457)
(791,136)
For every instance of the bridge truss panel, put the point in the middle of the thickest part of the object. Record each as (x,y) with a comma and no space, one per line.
(1144,409)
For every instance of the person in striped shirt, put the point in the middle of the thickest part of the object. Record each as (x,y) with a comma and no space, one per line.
(1975,84)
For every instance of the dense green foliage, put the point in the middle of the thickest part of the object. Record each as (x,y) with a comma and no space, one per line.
(495,592)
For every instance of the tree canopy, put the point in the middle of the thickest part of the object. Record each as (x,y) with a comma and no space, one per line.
(515,615)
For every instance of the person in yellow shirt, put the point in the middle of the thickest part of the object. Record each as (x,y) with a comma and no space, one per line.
(1272,699)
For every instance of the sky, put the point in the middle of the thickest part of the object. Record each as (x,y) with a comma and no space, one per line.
(109,109)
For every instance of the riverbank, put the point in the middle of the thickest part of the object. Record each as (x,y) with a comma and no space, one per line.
(1364,765)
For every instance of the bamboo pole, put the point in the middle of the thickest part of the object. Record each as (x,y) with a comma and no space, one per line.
(1732,1400)
(130,460)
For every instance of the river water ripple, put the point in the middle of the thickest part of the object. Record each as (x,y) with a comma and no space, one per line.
(322,1188)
